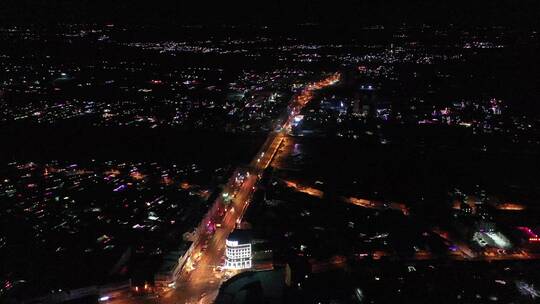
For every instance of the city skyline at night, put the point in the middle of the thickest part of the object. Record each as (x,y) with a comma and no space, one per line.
(269,152)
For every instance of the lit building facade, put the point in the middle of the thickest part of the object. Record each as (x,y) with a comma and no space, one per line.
(238,250)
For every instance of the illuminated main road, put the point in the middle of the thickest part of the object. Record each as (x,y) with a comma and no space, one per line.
(200,283)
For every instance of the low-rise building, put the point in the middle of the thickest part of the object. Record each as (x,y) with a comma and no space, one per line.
(172,266)
(238,250)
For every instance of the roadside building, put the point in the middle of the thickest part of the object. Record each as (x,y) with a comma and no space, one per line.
(172,266)
(238,250)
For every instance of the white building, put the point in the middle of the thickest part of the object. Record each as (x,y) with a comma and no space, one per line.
(238,250)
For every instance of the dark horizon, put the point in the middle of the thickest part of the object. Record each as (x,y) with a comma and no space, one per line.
(505,12)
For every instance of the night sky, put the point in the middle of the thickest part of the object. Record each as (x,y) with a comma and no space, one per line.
(504,12)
